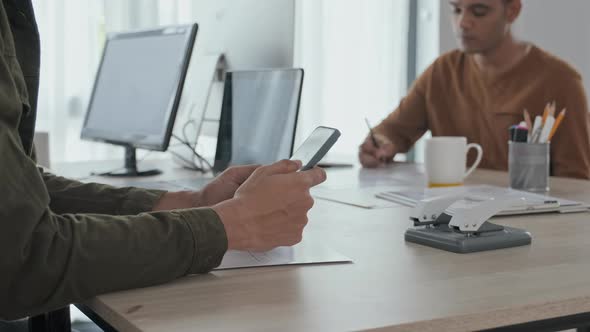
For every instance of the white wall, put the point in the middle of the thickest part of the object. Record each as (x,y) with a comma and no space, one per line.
(254,33)
(251,33)
(428,38)
(446,36)
(559,27)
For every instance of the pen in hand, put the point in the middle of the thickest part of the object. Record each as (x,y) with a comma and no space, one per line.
(372,134)
(374,140)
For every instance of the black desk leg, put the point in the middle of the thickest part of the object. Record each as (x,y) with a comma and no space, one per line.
(55,321)
(106,327)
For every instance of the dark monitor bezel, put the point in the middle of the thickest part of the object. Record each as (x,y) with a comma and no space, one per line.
(101,136)
(224,136)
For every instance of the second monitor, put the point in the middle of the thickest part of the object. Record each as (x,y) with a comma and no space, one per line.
(259,117)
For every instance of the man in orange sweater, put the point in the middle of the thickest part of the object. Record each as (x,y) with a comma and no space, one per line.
(482,89)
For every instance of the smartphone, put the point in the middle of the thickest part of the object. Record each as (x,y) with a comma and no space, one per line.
(315,147)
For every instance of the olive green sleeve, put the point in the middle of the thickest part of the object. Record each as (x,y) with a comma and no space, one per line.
(50,259)
(69,196)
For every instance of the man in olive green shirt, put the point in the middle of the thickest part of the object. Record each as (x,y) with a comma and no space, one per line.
(63,241)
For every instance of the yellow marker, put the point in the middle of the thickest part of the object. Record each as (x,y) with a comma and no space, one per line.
(557,123)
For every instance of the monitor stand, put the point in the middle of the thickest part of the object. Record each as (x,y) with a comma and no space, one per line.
(130,169)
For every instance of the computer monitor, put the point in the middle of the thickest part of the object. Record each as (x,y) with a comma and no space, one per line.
(137,91)
(258,117)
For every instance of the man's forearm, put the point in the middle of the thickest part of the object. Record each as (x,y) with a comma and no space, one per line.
(179,200)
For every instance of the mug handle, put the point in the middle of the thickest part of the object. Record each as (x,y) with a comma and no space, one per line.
(477,160)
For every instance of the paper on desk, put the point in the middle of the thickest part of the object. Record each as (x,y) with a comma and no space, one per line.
(360,197)
(306,252)
(533,203)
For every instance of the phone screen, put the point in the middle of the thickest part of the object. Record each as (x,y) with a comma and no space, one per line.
(315,147)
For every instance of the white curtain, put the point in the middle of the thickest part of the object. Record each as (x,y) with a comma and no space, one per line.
(354,53)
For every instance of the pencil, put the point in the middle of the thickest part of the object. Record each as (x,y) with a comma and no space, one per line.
(557,123)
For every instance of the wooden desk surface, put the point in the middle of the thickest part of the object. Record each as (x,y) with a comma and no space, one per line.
(392,284)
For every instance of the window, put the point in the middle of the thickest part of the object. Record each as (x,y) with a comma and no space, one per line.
(354,53)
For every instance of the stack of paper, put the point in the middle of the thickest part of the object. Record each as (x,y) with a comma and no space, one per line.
(527,203)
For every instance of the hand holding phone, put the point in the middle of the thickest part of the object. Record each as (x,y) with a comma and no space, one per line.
(315,147)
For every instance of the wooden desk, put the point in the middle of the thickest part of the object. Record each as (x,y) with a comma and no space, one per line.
(392,284)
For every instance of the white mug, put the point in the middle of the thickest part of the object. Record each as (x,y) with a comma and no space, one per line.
(446,161)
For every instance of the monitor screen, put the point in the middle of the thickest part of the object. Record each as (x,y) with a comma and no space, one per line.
(258,117)
(138,87)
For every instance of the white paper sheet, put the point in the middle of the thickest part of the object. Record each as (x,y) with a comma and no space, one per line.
(533,203)
(360,197)
(306,252)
